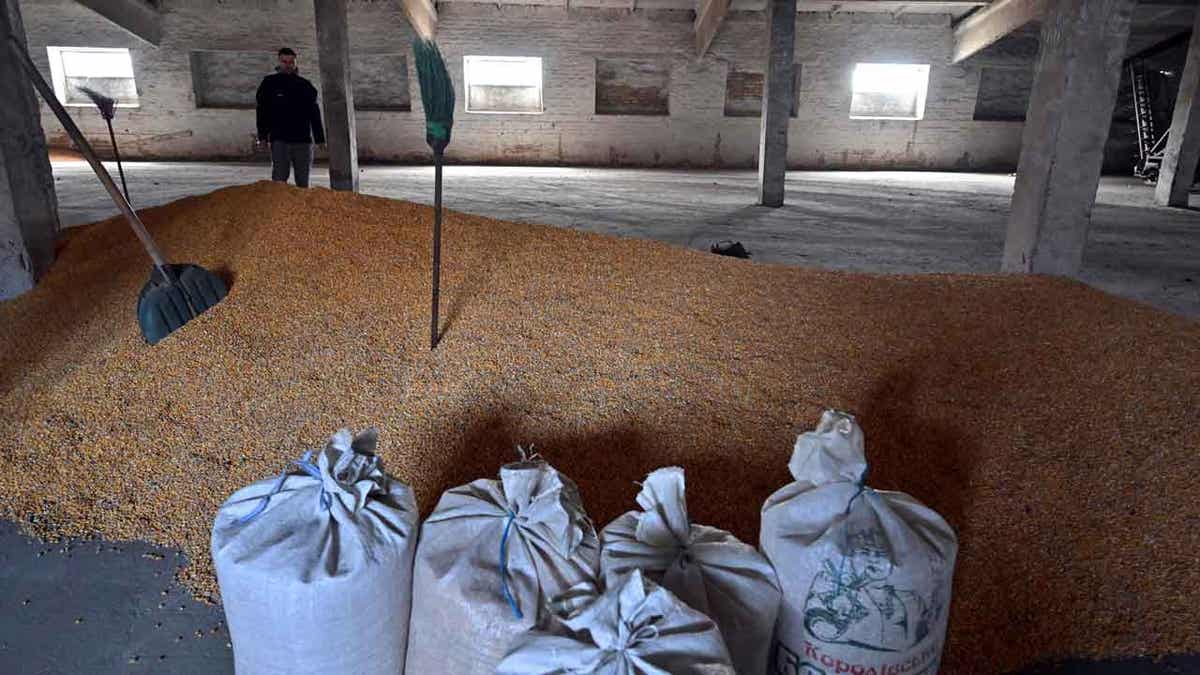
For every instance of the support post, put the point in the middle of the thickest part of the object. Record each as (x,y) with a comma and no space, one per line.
(1066,127)
(1183,144)
(777,101)
(337,94)
(28,206)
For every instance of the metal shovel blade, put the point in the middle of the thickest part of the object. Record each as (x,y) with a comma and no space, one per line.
(175,294)
(164,306)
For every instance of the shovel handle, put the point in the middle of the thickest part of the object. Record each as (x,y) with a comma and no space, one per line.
(85,149)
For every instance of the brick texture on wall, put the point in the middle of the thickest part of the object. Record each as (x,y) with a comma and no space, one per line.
(744,90)
(571,42)
(743,94)
(1003,93)
(632,87)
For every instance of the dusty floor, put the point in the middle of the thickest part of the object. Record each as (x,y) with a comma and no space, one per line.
(889,222)
(614,357)
(97,607)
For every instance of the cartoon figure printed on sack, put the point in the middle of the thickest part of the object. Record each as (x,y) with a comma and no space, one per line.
(851,602)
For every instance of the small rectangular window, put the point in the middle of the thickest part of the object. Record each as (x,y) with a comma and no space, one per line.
(380,82)
(503,84)
(108,71)
(744,93)
(889,91)
(632,87)
(1003,94)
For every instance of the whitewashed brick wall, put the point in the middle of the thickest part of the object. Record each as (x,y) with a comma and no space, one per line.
(168,124)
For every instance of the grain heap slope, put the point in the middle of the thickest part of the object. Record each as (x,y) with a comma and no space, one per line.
(1054,426)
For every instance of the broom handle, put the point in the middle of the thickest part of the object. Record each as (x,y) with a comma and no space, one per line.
(85,149)
(117,154)
(437,245)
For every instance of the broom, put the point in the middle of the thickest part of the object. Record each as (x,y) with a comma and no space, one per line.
(437,96)
(108,110)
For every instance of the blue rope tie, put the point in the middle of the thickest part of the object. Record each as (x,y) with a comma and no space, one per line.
(512,604)
(862,487)
(307,467)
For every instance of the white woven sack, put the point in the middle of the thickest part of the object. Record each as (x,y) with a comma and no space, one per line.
(636,627)
(866,574)
(707,568)
(491,555)
(315,566)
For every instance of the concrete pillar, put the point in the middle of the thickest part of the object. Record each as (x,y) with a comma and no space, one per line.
(1066,126)
(777,101)
(1183,144)
(337,95)
(28,206)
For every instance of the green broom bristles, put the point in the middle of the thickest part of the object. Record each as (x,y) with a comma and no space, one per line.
(437,93)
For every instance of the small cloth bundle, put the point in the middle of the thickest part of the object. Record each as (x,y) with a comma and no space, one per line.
(707,568)
(315,567)
(865,574)
(635,628)
(491,555)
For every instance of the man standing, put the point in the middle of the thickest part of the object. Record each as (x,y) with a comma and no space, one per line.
(289,119)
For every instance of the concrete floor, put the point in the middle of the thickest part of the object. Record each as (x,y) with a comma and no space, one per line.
(102,607)
(113,607)
(885,222)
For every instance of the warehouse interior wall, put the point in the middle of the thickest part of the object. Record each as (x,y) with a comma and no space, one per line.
(620,87)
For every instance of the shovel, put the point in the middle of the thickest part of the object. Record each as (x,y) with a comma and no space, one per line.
(175,294)
(108,110)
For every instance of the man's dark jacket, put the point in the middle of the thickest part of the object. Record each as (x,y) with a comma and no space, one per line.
(287,110)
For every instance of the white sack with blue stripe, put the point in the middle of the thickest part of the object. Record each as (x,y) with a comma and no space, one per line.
(491,556)
(315,565)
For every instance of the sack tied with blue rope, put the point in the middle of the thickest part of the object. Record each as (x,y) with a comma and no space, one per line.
(490,556)
(315,565)
(866,574)
(636,627)
(707,568)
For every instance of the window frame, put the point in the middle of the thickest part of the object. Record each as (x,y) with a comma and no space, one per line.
(58,74)
(541,84)
(922,93)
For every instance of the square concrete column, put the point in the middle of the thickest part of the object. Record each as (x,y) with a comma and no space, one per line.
(1066,127)
(777,101)
(337,95)
(28,205)
(1183,144)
